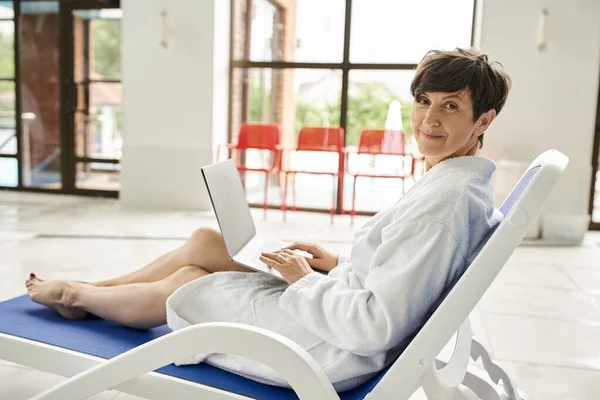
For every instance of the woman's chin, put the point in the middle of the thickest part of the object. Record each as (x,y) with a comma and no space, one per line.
(429,151)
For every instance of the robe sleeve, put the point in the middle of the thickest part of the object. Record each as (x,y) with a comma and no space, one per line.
(406,276)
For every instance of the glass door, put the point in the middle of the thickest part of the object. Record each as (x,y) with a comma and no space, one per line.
(91,96)
(38,94)
(8,121)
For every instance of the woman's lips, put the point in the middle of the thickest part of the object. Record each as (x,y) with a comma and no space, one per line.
(431,136)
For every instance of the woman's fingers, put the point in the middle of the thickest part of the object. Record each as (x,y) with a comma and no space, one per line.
(276,256)
(301,246)
(271,261)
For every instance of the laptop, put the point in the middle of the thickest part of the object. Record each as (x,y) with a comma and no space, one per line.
(244,245)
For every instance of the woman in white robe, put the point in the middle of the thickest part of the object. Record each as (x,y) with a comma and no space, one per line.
(356,319)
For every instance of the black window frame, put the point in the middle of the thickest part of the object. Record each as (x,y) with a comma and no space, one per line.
(345,66)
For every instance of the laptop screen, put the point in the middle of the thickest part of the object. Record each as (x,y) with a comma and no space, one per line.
(229,203)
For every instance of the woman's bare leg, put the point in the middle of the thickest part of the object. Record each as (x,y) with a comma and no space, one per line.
(205,248)
(136,305)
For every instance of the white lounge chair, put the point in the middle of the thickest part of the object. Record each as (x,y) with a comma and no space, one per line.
(34,336)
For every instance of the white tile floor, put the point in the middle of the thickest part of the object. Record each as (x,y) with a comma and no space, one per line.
(540,318)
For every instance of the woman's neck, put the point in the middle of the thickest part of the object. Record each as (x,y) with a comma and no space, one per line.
(430,162)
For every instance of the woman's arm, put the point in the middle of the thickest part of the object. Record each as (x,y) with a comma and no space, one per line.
(406,277)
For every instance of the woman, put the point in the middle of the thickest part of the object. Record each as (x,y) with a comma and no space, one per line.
(356,319)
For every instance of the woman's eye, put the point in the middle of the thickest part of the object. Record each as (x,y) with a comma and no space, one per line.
(423,101)
(451,106)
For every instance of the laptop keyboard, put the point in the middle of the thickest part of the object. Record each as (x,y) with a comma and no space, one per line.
(268,246)
(271,246)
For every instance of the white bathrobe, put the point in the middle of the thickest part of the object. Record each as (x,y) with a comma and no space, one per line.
(356,320)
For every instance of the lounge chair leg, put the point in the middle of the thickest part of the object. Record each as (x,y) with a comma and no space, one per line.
(495,372)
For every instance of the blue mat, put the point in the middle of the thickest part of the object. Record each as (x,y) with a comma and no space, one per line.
(23,318)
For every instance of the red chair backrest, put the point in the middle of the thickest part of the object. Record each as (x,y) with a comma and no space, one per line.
(258,136)
(313,138)
(381,141)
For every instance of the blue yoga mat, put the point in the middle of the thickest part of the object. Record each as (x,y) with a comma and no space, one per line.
(23,318)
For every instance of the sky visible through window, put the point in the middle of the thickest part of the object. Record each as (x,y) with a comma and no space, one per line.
(383,31)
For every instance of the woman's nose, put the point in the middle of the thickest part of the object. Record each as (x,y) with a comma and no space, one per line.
(431,118)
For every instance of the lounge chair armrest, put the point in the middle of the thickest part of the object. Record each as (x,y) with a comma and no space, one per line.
(294,364)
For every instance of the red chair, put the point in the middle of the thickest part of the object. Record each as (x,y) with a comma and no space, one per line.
(376,142)
(260,137)
(317,139)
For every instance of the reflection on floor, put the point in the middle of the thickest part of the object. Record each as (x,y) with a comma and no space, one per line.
(540,318)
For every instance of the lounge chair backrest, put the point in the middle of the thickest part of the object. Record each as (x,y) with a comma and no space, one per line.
(520,208)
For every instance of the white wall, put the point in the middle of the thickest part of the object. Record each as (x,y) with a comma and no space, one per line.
(553,100)
(174,99)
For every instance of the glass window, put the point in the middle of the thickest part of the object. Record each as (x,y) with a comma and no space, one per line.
(290,31)
(291,98)
(7,10)
(378,100)
(312,31)
(98,134)
(7,49)
(402,31)
(8,141)
(39,39)
(98,176)
(105,48)
(372,102)
(8,172)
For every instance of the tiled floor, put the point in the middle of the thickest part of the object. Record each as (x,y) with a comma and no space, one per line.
(540,318)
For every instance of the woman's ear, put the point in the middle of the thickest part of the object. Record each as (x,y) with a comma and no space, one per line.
(484,122)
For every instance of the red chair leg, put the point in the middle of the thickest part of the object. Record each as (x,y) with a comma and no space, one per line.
(242,179)
(284,200)
(332,212)
(294,193)
(281,191)
(265,199)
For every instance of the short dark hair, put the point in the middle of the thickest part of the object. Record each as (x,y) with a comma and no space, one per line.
(462,69)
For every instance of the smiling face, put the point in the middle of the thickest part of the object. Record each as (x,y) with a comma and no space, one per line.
(444,126)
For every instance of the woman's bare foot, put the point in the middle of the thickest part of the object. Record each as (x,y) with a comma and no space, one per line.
(57,295)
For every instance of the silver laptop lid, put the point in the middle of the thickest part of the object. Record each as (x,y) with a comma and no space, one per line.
(229,203)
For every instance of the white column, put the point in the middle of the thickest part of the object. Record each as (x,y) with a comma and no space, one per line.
(553,100)
(174,99)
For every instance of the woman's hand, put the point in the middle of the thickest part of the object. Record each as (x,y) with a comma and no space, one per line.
(290,265)
(322,259)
